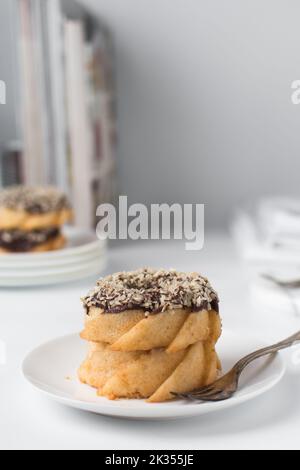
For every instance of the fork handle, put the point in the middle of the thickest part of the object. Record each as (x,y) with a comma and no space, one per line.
(240,366)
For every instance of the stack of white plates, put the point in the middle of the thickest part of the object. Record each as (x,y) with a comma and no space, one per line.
(83,256)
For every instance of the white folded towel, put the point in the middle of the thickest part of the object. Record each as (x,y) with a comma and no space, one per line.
(279,221)
(271,232)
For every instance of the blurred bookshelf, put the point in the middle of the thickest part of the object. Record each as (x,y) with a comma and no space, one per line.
(66,104)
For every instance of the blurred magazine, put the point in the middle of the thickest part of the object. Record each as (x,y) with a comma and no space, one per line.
(269,233)
(68,102)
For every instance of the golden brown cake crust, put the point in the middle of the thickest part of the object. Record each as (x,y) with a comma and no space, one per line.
(153,375)
(133,330)
(136,356)
(10,219)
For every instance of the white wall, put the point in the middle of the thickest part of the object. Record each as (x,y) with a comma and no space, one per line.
(204,99)
(9,127)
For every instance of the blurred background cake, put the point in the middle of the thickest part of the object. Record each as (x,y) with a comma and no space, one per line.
(31,219)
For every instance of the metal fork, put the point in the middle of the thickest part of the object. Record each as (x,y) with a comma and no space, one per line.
(227,386)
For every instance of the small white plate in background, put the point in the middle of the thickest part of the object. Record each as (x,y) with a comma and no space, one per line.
(83,256)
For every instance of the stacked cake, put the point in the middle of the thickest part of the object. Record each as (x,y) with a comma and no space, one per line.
(31,219)
(151,334)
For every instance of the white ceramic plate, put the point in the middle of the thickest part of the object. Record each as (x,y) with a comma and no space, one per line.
(54,266)
(83,256)
(11,268)
(45,271)
(82,271)
(51,369)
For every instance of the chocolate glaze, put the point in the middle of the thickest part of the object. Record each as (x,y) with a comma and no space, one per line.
(17,241)
(205,306)
(152,291)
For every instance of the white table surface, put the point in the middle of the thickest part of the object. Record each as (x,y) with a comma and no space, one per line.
(28,317)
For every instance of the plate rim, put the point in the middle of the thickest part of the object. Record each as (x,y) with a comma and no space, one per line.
(48,262)
(53,279)
(180,410)
(62,253)
(53,270)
